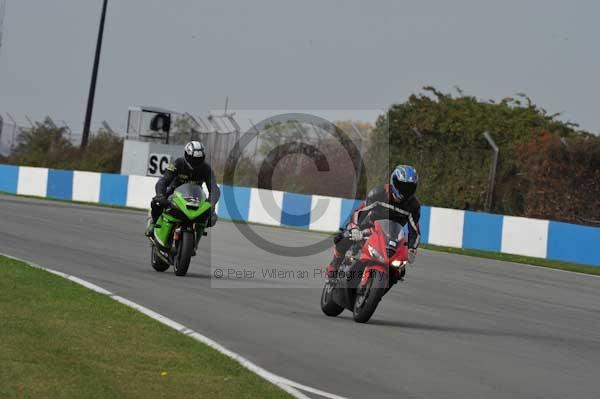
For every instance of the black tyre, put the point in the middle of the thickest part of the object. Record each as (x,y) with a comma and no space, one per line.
(328,306)
(184,255)
(157,263)
(368,297)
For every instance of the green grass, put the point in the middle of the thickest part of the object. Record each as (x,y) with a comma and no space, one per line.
(61,340)
(553,264)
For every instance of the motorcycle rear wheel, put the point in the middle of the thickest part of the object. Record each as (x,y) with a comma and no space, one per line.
(328,306)
(368,298)
(184,254)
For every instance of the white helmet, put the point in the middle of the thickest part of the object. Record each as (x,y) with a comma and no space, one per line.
(194,153)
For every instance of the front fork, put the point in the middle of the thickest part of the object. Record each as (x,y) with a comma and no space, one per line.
(175,243)
(198,231)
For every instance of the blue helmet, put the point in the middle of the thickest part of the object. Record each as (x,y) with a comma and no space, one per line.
(403,181)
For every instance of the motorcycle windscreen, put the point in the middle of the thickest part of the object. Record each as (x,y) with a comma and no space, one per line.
(191,190)
(393,231)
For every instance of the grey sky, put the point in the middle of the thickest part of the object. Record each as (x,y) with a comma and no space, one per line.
(188,55)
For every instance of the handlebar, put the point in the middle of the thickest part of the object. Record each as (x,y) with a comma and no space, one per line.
(365,233)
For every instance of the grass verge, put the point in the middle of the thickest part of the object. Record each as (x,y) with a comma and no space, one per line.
(554,264)
(60,339)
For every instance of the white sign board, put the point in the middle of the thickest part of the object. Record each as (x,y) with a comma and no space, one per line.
(157,164)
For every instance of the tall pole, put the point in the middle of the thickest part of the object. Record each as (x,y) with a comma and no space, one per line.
(90,103)
(492,178)
(2,11)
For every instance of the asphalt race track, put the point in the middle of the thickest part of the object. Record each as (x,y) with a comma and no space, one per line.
(459,327)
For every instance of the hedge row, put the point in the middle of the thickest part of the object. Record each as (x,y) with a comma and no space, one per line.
(48,146)
(547,168)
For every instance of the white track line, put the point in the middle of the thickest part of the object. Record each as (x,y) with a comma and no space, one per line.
(289,386)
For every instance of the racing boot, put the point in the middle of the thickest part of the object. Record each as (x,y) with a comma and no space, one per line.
(149,227)
(333,267)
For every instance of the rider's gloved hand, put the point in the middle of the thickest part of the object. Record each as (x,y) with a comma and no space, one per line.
(356,234)
(412,254)
(159,200)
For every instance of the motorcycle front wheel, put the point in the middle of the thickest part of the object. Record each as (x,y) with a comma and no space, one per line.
(368,297)
(184,253)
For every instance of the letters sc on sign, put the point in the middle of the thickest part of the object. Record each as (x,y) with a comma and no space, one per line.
(157,164)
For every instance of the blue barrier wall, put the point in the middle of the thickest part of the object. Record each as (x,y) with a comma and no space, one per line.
(482,231)
(234,203)
(60,184)
(295,211)
(475,230)
(113,189)
(424,223)
(574,243)
(9,178)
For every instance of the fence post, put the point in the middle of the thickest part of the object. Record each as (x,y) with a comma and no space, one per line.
(196,128)
(492,178)
(357,178)
(14,134)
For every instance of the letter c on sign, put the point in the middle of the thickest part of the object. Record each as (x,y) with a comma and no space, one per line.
(164,163)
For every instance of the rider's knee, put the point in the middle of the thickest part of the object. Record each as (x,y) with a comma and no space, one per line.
(338,237)
(212,219)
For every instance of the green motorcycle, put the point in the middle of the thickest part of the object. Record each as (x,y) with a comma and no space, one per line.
(178,230)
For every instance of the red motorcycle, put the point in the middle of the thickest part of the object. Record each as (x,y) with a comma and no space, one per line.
(370,268)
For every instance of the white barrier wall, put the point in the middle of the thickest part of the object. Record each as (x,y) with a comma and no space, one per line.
(140,190)
(86,186)
(446,227)
(325,213)
(266,207)
(522,236)
(32,181)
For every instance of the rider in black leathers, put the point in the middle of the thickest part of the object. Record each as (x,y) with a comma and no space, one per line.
(189,168)
(394,201)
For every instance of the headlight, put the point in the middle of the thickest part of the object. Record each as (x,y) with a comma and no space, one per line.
(398,263)
(192,202)
(192,205)
(373,252)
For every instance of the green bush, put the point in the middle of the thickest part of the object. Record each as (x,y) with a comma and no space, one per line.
(46,145)
(442,136)
(562,178)
(103,153)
